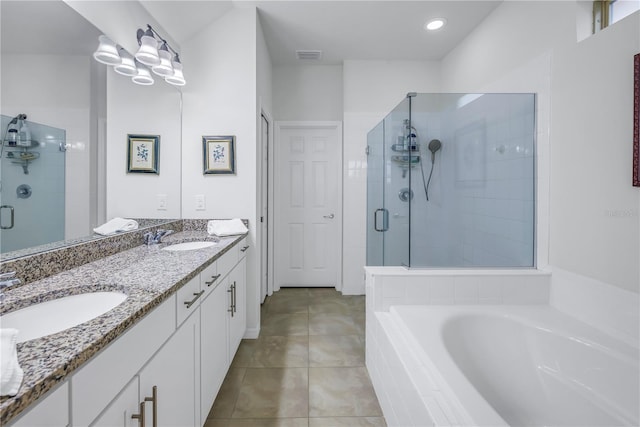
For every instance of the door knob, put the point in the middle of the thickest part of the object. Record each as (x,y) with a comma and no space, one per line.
(331,216)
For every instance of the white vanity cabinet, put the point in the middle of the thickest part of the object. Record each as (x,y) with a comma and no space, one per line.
(51,411)
(175,374)
(169,366)
(214,360)
(223,323)
(237,307)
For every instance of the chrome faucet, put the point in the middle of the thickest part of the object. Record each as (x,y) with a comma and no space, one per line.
(6,281)
(155,238)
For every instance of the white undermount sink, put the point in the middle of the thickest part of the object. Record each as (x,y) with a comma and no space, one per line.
(188,246)
(53,316)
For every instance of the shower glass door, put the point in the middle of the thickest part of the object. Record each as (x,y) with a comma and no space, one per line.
(451,182)
(32,188)
(389,161)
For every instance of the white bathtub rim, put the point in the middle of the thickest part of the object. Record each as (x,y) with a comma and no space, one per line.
(466,399)
(442,404)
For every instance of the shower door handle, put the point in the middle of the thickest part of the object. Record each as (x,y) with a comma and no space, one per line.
(12,217)
(385,220)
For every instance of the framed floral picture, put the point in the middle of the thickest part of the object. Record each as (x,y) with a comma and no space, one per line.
(219,154)
(143,153)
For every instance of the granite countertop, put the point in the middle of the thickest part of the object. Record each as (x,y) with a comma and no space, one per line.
(147,274)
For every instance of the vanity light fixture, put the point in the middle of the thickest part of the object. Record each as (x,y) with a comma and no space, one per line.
(435,24)
(143,76)
(154,54)
(128,66)
(164,68)
(107,52)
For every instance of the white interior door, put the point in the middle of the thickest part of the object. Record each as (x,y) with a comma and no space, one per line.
(308,203)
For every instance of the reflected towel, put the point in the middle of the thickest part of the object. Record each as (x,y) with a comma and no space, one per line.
(116,225)
(226,227)
(11,373)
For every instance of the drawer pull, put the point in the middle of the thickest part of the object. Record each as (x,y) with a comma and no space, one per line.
(195,298)
(244,248)
(213,279)
(140,416)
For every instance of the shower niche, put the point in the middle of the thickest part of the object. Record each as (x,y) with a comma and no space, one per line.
(451,182)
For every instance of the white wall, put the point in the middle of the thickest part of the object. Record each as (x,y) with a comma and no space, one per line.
(371,90)
(307,92)
(142,110)
(47,98)
(220,99)
(595,229)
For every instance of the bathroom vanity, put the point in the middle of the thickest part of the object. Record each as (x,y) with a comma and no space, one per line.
(158,358)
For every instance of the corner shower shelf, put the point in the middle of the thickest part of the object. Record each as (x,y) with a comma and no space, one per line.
(22,156)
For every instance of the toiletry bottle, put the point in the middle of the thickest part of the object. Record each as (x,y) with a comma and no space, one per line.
(12,135)
(24,136)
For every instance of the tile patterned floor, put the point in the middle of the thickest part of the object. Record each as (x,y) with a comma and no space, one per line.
(305,370)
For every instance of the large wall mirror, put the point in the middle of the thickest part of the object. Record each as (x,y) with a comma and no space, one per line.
(73,175)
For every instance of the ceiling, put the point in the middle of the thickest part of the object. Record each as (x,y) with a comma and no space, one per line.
(345,29)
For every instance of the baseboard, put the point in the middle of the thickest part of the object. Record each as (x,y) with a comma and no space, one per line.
(251,333)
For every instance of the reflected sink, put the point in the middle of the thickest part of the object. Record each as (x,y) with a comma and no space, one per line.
(188,246)
(53,316)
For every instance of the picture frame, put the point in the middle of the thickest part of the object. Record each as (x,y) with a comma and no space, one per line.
(219,155)
(636,120)
(143,154)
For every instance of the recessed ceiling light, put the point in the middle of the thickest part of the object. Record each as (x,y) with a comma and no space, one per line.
(435,24)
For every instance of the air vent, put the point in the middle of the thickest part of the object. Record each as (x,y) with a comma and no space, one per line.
(309,54)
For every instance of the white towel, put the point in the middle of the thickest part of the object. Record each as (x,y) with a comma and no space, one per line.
(226,227)
(10,371)
(116,225)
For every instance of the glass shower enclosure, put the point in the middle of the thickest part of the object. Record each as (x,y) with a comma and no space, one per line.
(451,182)
(32,187)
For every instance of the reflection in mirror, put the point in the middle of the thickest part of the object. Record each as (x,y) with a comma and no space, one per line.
(48,74)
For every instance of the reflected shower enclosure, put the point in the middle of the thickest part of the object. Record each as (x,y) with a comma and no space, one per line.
(32,188)
(451,182)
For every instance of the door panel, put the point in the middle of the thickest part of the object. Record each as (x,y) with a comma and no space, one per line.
(308,204)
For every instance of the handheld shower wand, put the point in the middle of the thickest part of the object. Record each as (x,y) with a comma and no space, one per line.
(434,145)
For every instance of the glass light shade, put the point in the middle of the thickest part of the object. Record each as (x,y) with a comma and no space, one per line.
(143,77)
(177,79)
(148,51)
(164,68)
(127,67)
(107,52)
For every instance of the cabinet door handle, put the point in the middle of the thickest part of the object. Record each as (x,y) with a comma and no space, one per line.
(235,295)
(154,406)
(196,295)
(213,279)
(140,416)
(230,310)
(244,248)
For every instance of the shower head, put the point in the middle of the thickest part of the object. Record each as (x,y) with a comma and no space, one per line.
(434,145)
(18,117)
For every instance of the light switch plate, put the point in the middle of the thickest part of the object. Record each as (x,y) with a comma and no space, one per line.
(200,202)
(162,202)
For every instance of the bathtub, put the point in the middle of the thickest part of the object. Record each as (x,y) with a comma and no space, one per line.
(510,366)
